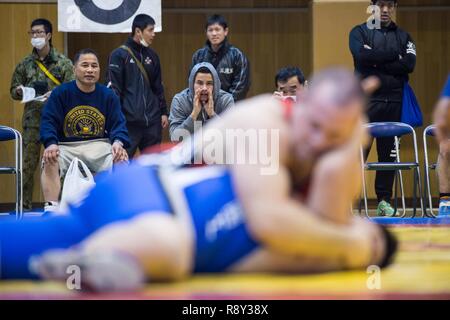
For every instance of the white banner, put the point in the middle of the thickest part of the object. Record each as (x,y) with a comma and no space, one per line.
(105,15)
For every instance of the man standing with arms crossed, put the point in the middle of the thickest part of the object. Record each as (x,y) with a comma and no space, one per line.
(389,53)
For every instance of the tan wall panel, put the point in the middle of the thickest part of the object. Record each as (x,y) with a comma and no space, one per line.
(332,22)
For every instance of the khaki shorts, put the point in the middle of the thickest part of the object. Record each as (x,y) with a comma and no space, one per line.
(96,154)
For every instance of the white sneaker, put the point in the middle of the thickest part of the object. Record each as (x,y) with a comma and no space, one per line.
(51,207)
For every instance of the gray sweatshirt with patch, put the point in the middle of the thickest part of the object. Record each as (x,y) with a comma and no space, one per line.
(182,105)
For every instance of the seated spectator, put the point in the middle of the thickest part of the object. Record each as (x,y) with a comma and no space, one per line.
(198,103)
(81,119)
(442,122)
(289,81)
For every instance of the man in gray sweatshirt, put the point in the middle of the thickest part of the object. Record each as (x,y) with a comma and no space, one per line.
(198,103)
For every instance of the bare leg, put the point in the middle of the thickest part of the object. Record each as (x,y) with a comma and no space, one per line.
(159,242)
(50,180)
(443,169)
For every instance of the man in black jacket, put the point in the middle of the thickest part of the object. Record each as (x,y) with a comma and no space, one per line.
(388,52)
(230,62)
(134,73)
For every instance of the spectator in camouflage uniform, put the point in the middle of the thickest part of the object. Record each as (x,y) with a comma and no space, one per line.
(29,74)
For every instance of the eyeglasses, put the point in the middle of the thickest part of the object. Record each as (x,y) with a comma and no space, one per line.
(36,33)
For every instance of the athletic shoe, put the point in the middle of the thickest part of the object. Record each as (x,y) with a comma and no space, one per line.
(51,207)
(444,206)
(385,209)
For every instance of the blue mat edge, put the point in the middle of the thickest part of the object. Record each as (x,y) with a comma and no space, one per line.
(440,220)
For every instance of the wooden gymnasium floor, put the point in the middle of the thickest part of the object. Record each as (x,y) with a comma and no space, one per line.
(421,271)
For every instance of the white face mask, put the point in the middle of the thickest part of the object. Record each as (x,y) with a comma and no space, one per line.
(38,43)
(144,43)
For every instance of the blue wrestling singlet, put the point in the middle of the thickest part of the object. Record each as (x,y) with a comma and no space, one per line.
(221,236)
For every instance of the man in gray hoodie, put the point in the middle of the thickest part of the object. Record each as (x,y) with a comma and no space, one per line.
(198,103)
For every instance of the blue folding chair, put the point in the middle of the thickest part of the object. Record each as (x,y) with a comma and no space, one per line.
(396,130)
(8,134)
(428,132)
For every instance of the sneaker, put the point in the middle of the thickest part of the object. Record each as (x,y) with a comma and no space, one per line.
(105,271)
(444,206)
(385,209)
(51,207)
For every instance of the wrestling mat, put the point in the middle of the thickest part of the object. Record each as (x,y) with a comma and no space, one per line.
(421,271)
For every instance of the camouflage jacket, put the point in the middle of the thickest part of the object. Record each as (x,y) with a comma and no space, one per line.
(27,73)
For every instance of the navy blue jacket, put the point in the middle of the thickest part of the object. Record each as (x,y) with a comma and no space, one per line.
(73,115)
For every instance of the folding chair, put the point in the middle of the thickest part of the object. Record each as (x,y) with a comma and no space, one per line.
(396,130)
(7,134)
(429,131)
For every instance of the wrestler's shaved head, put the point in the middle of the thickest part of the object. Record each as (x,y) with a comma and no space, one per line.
(333,106)
(336,86)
